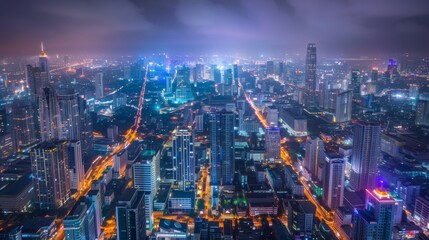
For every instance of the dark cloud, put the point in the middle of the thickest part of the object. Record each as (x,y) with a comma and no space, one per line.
(272,27)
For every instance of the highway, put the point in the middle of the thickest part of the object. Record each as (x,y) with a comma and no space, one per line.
(100,164)
(321,212)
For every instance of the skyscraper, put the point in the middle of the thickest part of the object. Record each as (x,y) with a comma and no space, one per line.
(333,181)
(422,110)
(365,155)
(75,165)
(270,67)
(377,220)
(80,222)
(23,126)
(86,129)
(95,197)
(49,115)
(314,155)
(69,114)
(310,75)
(227,76)
(130,216)
(222,148)
(99,85)
(183,157)
(272,143)
(343,108)
(51,176)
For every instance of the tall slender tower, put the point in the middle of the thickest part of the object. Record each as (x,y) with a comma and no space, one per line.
(222,148)
(333,181)
(365,156)
(69,114)
(183,157)
(310,75)
(44,66)
(49,115)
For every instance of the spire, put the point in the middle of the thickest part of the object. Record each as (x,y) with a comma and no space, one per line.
(42,51)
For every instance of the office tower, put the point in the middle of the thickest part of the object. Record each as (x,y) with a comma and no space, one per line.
(422,110)
(168,84)
(281,70)
(146,178)
(272,116)
(217,76)
(23,128)
(183,157)
(120,163)
(75,165)
(365,155)
(35,80)
(272,143)
(130,215)
(392,70)
(270,67)
(222,148)
(377,220)
(94,196)
(68,101)
(333,181)
(235,73)
(301,217)
(49,115)
(356,82)
(6,145)
(198,72)
(80,222)
(86,129)
(421,210)
(343,108)
(310,75)
(374,75)
(49,163)
(43,61)
(99,86)
(314,155)
(227,76)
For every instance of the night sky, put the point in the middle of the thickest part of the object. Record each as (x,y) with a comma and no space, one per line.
(350,28)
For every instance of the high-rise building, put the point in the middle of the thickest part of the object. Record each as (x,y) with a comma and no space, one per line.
(146,178)
(270,67)
(222,148)
(272,116)
(49,115)
(311,75)
(272,143)
(75,165)
(23,128)
(422,110)
(301,217)
(43,61)
(86,129)
(34,79)
(365,155)
(130,215)
(333,181)
(80,222)
(377,220)
(68,102)
(314,155)
(99,85)
(227,76)
(356,82)
(95,197)
(49,163)
(183,158)
(343,108)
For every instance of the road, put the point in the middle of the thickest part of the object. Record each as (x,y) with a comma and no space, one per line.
(321,212)
(100,164)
